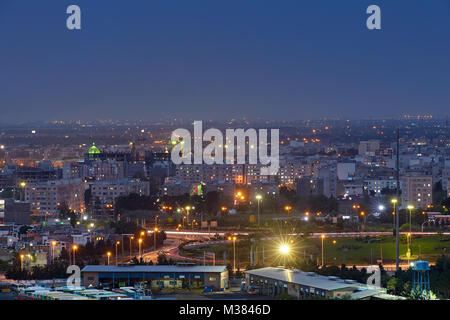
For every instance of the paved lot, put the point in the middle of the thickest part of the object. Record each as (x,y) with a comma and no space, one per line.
(237,295)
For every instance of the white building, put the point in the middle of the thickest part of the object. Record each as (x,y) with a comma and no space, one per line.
(416,190)
(108,191)
(46,197)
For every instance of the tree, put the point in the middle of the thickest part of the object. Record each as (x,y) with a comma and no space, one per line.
(394,285)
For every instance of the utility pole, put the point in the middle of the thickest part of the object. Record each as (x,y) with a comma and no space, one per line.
(397,245)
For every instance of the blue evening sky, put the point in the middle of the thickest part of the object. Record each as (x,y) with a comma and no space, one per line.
(202,59)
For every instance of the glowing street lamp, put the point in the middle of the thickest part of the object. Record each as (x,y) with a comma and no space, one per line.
(140,251)
(187,213)
(117,243)
(284,250)
(288,209)
(131,238)
(53,250)
(410,207)
(234,251)
(21,262)
(394,202)
(109,255)
(258,198)
(154,239)
(74,249)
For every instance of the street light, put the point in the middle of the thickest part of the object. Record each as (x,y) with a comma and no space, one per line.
(131,238)
(363,215)
(117,243)
(154,238)
(234,252)
(258,197)
(410,207)
(288,209)
(109,255)
(53,250)
(21,262)
(394,202)
(284,250)
(74,248)
(323,237)
(140,252)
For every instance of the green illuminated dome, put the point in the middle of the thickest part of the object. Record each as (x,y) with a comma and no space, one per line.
(93,150)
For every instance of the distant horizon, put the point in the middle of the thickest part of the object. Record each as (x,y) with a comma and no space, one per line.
(425,117)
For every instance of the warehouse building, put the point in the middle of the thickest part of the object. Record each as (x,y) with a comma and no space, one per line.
(210,278)
(277,281)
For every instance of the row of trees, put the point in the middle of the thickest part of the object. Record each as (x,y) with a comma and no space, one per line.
(58,268)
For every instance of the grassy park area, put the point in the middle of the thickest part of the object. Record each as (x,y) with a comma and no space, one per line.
(337,251)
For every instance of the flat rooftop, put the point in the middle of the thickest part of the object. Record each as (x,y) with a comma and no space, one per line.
(308,279)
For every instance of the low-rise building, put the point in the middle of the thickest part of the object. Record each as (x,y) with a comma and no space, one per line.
(276,281)
(16,212)
(213,278)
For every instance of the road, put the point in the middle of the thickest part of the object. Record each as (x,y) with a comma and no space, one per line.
(169,244)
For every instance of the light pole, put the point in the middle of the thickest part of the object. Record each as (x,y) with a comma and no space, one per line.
(117,243)
(53,250)
(323,237)
(284,250)
(140,252)
(394,202)
(109,255)
(356,207)
(363,215)
(288,210)
(74,249)
(21,262)
(131,251)
(187,213)
(154,239)
(234,252)
(258,198)
(22,192)
(410,207)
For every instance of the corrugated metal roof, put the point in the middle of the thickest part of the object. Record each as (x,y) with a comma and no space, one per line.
(302,278)
(364,294)
(157,268)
